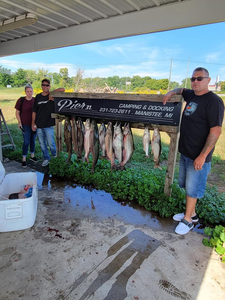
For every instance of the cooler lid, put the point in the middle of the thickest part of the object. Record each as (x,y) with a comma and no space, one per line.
(2,172)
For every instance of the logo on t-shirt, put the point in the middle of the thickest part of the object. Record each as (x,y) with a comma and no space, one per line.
(43,102)
(190,108)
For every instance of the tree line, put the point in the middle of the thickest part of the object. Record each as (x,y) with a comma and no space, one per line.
(130,84)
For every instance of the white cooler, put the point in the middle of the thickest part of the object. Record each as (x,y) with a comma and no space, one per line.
(20,213)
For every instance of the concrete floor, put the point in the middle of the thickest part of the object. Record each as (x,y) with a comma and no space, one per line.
(75,251)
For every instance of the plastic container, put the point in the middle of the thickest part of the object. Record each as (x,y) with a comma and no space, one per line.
(20,211)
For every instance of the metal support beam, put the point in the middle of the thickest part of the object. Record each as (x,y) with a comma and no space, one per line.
(162,18)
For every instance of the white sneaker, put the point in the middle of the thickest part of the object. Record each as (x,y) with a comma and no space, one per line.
(45,163)
(179,217)
(184,227)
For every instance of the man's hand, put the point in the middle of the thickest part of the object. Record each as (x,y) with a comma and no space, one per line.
(33,127)
(167,97)
(50,97)
(199,162)
(209,145)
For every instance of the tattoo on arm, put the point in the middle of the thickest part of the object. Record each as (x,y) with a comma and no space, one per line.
(210,143)
(178,91)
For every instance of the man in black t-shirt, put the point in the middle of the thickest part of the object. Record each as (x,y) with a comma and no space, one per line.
(42,120)
(201,126)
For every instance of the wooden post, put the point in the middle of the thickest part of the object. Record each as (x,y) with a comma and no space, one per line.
(59,145)
(174,137)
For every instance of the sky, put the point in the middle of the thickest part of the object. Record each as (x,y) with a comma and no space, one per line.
(176,52)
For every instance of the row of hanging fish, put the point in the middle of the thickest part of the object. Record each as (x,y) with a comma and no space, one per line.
(155,144)
(115,143)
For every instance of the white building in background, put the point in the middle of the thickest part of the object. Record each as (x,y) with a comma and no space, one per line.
(214,87)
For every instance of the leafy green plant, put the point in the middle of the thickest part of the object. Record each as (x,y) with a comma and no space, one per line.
(211,207)
(216,159)
(216,240)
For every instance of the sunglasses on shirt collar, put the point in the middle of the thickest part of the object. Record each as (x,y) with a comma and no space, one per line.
(45,84)
(200,78)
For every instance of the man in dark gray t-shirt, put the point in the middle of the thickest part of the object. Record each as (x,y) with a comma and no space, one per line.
(201,126)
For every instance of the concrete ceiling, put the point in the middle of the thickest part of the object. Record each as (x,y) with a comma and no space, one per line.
(74,22)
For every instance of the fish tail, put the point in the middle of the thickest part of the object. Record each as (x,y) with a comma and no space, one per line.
(157,166)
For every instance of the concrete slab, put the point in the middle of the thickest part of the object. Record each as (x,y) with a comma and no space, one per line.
(73,251)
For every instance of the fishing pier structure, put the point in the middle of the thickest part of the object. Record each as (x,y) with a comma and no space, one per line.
(140,110)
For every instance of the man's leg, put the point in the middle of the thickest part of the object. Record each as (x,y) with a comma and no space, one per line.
(195,183)
(195,187)
(42,141)
(50,139)
(190,208)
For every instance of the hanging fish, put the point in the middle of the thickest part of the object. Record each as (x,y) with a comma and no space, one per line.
(94,144)
(83,128)
(68,137)
(109,144)
(128,144)
(102,134)
(156,147)
(118,142)
(80,138)
(74,134)
(146,141)
(87,140)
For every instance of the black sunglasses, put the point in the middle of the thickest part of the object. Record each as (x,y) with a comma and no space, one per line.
(200,78)
(45,84)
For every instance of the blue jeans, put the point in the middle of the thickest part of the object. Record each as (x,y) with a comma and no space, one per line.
(46,136)
(29,137)
(193,181)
